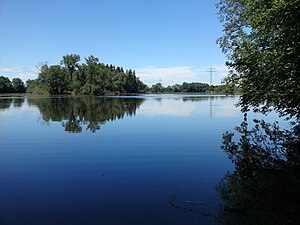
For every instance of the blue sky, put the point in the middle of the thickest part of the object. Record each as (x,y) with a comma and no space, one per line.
(168,40)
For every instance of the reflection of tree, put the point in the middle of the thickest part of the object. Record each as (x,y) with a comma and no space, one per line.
(5,103)
(18,102)
(73,125)
(192,98)
(264,187)
(202,98)
(74,113)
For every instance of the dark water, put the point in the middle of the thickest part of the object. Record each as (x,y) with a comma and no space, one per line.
(114,161)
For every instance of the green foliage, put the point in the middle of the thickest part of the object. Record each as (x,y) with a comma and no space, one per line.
(36,87)
(89,78)
(231,84)
(18,85)
(157,88)
(56,80)
(71,63)
(193,87)
(14,86)
(5,85)
(262,42)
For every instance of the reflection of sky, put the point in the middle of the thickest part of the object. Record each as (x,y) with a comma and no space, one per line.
(202,106)
(19,111)
(24,111)
(166,107)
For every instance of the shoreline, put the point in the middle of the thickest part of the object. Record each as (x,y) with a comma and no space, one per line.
(21,95)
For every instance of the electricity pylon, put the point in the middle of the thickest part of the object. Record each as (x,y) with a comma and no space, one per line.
(211,70)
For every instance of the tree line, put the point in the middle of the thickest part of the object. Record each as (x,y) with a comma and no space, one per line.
(94,78)
(16,85)
(88,78)
(193,87)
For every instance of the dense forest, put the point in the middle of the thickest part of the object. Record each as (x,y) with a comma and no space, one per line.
(88,78)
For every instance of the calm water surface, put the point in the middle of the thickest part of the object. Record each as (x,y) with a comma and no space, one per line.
(152,159)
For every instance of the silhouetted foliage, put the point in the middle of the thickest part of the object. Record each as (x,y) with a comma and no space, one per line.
(264,186)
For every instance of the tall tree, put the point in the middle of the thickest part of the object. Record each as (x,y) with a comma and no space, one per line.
(92,63)
(262,42)
(5,85)
(71,63)
(18,85)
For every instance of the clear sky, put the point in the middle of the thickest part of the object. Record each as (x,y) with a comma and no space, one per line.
(167,40)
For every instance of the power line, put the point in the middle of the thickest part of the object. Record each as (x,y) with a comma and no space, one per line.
(211,70)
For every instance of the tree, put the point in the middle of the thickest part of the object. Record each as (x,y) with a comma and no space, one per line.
(131,85)
(18,85)
(92,63)
(5,85)
(71,63)
(262,42)
(157,88)
(43,74)
(56,80)
(141,86)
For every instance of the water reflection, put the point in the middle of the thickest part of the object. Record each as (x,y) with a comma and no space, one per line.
(203,98)
(188,98)
(89,112)
(170,149)
(6,103)
(60,108)
(264,187)
(188,105)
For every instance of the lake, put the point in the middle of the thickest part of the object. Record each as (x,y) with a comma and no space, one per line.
(152,159)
